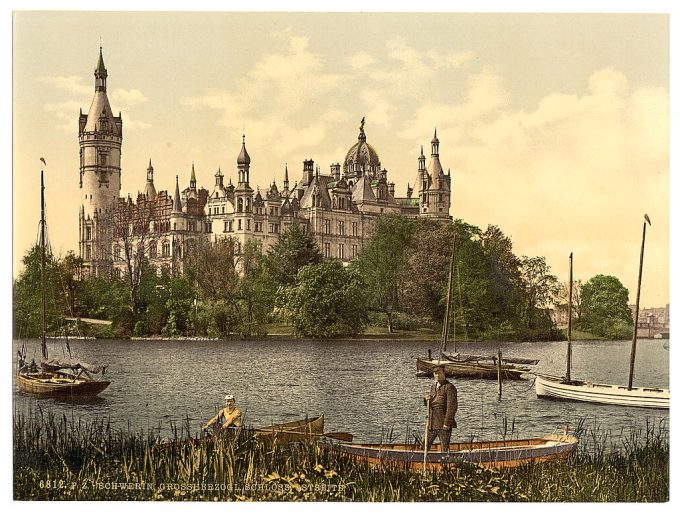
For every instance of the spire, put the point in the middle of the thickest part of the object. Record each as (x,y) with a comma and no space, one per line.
(435,144)
(100,73)
(362,134)
(177,203)
(192,181)
(285,178)
(243,157)
(421,160)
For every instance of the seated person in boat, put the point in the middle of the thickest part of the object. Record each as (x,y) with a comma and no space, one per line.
(227,418)
(443,398)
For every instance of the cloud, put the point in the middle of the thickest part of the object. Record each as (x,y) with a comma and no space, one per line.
(72,84)
(127,97)
(360,61)
(282,98)
(563,176)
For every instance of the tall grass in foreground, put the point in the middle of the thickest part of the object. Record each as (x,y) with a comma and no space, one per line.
(71,460)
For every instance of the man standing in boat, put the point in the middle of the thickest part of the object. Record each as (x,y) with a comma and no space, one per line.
(443,401)
(230,415)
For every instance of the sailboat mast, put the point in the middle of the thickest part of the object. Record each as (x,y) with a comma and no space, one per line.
(43,343)
(571,287)
(447,312)
(637,306)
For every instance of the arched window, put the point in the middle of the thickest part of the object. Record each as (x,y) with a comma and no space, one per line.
(239,205)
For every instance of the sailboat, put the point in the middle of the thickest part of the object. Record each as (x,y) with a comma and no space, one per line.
(64,378)
(566,388)
(465,365)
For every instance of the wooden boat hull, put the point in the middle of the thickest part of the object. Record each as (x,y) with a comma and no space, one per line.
(472,370)
(490,360)
(496,454)
(555,388)
(295,431)
(59,385)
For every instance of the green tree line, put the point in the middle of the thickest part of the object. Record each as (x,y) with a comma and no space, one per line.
(399,281)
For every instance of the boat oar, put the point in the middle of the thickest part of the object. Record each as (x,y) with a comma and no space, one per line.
(427,429)
(345,437)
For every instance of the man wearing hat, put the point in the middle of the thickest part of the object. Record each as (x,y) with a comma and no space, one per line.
(230,415)
(443,399)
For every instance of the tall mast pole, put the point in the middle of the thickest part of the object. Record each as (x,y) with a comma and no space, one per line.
(43,343)
(447,313)
(637,305)
(571,286)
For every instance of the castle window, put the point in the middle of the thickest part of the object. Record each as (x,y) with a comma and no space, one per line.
(88,233)
(116,252)
(239,205)
(341,228)
(354,251)
(248,225)
(354,229)
(153,250)
(88,253)
(165,249)
(240,224)
(326,226)
(222,209)
(226,226)
(326,250)
(341,251)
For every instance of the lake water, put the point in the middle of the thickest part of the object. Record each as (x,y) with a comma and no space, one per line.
(368,388)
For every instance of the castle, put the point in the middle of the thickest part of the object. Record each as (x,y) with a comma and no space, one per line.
(339,209)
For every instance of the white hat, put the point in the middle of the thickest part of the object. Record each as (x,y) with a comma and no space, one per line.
(228,397)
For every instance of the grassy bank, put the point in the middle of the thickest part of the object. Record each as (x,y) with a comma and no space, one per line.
(61,459)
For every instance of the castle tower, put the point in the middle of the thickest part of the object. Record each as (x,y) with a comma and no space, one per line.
(100,135)
(150,189)
(438,193)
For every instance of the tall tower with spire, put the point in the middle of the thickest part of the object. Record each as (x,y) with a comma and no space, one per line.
(100,135)
(435,193)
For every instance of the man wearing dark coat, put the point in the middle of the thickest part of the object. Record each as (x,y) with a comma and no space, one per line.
(443,399)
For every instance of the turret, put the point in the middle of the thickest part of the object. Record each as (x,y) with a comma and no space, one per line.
(150,189)
(243,164)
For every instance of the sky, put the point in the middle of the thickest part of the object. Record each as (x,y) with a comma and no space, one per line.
(555,126)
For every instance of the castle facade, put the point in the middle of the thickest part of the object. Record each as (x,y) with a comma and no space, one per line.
(339,209)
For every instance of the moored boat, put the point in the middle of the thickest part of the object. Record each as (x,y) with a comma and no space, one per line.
(63,378)
(549,387)
(469,369)
(493,454)
(490,359)
(565,388)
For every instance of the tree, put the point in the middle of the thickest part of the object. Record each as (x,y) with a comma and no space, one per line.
(131,229)
(605,309)
(294,250)
(27,295)
(540,289)
(504,275)
(70,272)
(325,301)
(381,262)
(211,267)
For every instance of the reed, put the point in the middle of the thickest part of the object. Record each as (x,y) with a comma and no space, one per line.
(56,458)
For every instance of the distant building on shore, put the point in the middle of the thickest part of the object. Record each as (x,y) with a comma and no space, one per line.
(339,209)
(653,322)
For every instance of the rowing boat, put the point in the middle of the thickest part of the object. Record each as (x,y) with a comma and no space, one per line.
(489,359)
(469,369)
(297,430)
(493,454)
